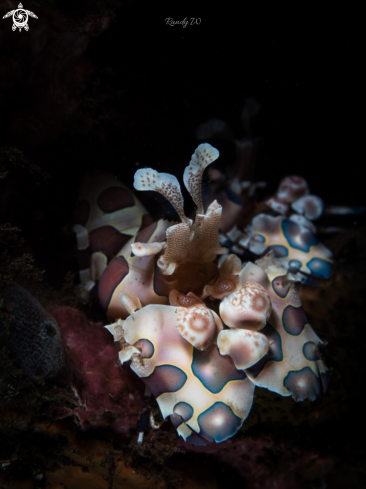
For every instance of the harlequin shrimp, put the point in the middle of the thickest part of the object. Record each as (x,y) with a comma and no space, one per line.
(282,222)
(292,364)
(202,365)
(291,233)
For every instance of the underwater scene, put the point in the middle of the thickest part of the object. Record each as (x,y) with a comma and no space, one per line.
(182,249)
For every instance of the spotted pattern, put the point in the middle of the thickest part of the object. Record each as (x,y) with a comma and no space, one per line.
(218,422)
(141,281)
(184,410)
(147,348)
(206,397)
(275,353)
(223,286)
(291,188)
(105,201)
(294,320)
(107,240)
(319,267)
(294,265)
(196,244)
(249,307)
(277,204)
(302,384)
(113,275)
(311,351)
(260,238)
(310,206)
(279,250)
(176,420)
(110,215)
(185,381)
(201,158)
(167,185)
(292,243)
(293,344)
(279,288)
(165,378)
(196,324)
(214,370)
(244,347)
(297,236)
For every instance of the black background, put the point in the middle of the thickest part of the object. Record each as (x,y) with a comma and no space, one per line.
(135,96)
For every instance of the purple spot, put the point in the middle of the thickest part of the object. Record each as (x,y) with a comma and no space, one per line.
(277,286)
(260,238)
(184,410)
(274,354)
(294,320)
(176,420)
(218,422)
(302,384)
(294,265)
(161,285)
(147,348)
(279,251)
(297,236)
(108,240)
(111,277)
(147,229)
(214,370)
(165,378)
(311,351)
(319,267)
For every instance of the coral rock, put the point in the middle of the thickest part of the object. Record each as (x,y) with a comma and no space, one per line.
(31,334)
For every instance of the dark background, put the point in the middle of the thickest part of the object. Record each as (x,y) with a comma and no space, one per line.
(110,85)
(113,86)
